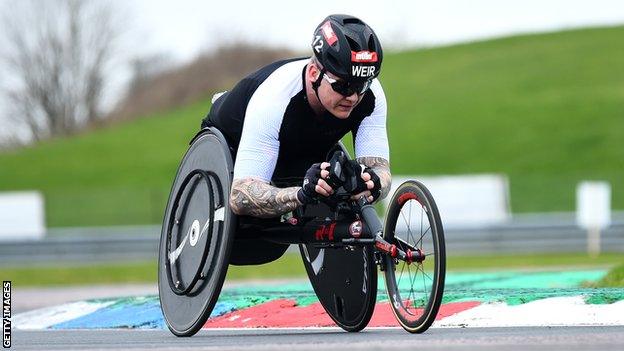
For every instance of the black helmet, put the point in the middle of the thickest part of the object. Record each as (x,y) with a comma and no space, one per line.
(348,48)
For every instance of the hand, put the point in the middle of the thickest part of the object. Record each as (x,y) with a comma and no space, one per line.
(314,184)
(369,185)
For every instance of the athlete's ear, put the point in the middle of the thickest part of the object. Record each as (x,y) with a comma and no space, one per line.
(313,71)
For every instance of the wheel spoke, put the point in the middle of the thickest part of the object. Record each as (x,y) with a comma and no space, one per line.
(401,274)
(421,225)
(412,297)
(424,286)
(410,221)
(409,271)
(409,231)
(421,237)
(422,269)
(409,277)
(410,212)
(412,236)
(423,294)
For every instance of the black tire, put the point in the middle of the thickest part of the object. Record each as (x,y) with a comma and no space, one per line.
(415,299)
(195,243)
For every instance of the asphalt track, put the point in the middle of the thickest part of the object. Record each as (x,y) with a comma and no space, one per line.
(511,298)
(508,339)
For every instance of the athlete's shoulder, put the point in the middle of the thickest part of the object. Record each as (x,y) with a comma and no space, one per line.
(377,92)
(278,83)
(277,80)
(293,65)
(376,88)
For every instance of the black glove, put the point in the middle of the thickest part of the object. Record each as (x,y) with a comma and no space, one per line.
(307,194)
(376,190)
(360,185)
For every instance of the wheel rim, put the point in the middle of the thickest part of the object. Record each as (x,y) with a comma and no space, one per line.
(190,239)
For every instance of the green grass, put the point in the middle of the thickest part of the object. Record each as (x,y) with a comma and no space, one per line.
(289,266)
(547,110)
(117,175)
(613,279)
(60,274)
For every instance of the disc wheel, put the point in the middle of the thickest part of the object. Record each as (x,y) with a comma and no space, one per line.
(345,282)
(197,236)
(415,289)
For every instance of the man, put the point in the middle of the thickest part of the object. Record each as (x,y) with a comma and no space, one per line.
(282,120)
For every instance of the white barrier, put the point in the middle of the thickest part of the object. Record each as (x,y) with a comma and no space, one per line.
(593,211)
(466,200)
(22,215)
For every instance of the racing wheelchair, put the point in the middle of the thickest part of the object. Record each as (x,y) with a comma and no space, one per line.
(342,242)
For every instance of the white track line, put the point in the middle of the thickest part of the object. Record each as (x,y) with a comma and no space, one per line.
(556,311)
(46,317)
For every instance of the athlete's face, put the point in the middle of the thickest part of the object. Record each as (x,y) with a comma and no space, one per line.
(337,104)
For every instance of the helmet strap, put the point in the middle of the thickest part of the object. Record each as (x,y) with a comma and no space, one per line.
(317,83)
(318,80)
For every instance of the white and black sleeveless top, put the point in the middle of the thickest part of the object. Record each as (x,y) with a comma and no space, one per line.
(274,133)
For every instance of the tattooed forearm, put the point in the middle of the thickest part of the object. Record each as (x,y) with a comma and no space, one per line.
(381,166)
(253,197)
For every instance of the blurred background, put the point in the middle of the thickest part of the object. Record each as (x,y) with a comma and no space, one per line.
(512,112)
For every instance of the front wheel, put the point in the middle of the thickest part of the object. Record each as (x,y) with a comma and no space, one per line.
(415,289)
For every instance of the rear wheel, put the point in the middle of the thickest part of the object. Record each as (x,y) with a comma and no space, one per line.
(197,235)
(415,289)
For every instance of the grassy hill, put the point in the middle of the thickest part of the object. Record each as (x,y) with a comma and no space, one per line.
(547,110)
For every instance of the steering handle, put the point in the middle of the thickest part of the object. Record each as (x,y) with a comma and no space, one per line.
(369,215)
(341,175)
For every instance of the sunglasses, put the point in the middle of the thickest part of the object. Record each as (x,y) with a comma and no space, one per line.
(346,88)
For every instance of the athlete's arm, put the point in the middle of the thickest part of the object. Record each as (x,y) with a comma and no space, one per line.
(254,197)
(371,142)
(251,193)
(381,167)
(257,198)
(258,150)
